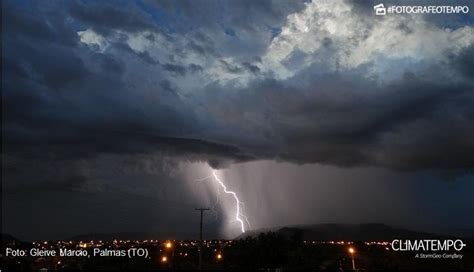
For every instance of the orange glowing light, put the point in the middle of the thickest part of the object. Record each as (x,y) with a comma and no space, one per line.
(168,245)
(164,259)
(351,250)
(219,256)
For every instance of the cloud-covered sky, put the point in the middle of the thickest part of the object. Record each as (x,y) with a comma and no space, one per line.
(109,102)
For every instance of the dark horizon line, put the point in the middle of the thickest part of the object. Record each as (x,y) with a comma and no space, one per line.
(160,235)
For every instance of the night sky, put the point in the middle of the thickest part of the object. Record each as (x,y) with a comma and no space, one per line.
(114,112)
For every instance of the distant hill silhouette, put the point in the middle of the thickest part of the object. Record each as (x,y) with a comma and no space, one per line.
(317,232)
(6,238)
(347,232)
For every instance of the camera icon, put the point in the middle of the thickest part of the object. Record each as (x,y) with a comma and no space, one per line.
(380,9)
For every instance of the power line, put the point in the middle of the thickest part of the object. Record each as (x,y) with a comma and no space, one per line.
(202,210)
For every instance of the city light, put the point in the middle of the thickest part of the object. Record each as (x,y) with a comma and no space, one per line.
(176,253)
(351,250)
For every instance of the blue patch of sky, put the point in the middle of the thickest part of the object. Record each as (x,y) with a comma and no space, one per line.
(275,31)
(229,32)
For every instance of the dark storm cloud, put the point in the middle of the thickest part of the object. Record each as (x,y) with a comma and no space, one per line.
(67,100)
(239,68)
(335,120)
(107,16)
(56,175)
(39,83)
(37,22)
(208,14)
(464,62)
(250,23)
(110,64)
(74,166)
(251,67)
(180,70)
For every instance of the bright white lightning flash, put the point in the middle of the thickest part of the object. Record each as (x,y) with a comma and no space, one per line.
(238,216)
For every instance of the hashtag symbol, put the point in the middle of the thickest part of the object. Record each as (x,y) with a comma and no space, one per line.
(389,10)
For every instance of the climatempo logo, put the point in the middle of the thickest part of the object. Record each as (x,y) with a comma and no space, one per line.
(427,245)
(431,249)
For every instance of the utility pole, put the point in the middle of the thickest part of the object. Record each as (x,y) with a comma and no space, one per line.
(200,236)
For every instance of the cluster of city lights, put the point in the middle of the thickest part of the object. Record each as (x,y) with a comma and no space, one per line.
(168,252)
(170,249)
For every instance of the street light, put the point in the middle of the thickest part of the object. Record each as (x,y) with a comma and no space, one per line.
(219,256)
(352,251)
(169,247)
(164,259)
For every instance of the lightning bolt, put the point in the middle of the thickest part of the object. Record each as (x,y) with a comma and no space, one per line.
(238,215)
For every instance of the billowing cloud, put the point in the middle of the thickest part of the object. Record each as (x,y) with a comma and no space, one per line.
(311,82)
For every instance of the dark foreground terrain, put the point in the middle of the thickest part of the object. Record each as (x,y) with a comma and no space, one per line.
(272,250)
